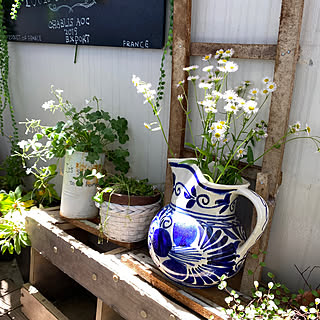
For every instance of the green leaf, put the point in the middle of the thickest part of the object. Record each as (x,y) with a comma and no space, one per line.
(250,157)
(301,291)
(250,272)
(17,246)
(315,293)
(190,161)
(270,275)
(254,256)
(190,145)
(277,301)
(262,264)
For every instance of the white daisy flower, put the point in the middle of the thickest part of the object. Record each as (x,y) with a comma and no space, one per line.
(254,91)
(231,66)
(250,107)
(147,126)
(228,53)
(209,109)
(180,97)
(207,68)
(205,85)
(216,93)
(216,78)
(246,82)
(136,80)
(231,107)
(194,67)
(59,91)
(217,136)
(222,61)
(193,78)
(266,80)
(271,86)
(308,129)
(208,103)
(207,57)
(22,144)
(264,92)
(230,96)
(222,69)
(219,53)
(241,102)
(180,83)
(240,153)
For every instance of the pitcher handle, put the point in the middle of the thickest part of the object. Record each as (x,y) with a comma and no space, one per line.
(262,219)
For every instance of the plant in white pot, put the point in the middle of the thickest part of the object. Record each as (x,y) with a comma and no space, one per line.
(197,238)
(127,206)
(85,138)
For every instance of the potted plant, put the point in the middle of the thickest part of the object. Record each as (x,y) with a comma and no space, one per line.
(84,139)
(127,206)
(197,237)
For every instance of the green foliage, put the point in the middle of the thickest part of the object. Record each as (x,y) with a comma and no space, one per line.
(14,9)
(13,235)
(89,130)
(118,183)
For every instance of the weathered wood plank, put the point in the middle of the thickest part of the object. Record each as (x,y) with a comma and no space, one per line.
(9,301)
(104,312)
(16,314)
(103,275)
(242,51)
(36,307)
(180,59)
(285,67)
(147,273)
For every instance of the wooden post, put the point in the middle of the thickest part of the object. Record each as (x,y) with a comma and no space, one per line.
(285,67)
(180,59)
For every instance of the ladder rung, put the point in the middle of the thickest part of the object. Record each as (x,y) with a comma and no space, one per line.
(242,51)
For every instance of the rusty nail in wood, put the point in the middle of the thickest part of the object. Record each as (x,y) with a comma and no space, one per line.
(289,51)
(55,249)
(172,317)
(143,314)
(180,46)
(282,53)
(94,277)
(72,248)
(115,278)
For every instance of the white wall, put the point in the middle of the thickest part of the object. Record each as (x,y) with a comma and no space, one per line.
(106,72)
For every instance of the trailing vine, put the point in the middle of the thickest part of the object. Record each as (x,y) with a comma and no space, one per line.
(12,165)
(167,48)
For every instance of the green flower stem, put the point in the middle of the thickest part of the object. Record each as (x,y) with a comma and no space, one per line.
(231,157)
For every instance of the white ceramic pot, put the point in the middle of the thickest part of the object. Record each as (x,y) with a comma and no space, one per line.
(76,202)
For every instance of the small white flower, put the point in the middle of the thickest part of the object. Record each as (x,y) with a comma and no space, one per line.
(240,153)
(250,107)
(59,91)
(264,92)
(180,83)
(217,136)
(256,284)
(222,69)
(231,107)
(271,86)
(219,53)
(135,80)
(241,307)
(207,57)
(228,300)
(246,82)
(313,310)
(317,301)
(254,91)
(180,97)
(216,78)
(194,67)
(222,61)
(230,96)
(266,80)
(193,78)
(304,309)
(207,68)
(47,105)
(209,109)
(241,102)
(205,85)
(147,126)
(22,144)
(231,66)
(28,170)
(228,53)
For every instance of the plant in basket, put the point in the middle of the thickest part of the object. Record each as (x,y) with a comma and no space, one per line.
(197,238)
(127,206)
(84,138)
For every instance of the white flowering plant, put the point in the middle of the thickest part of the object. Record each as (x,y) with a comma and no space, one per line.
(228,118)
(271,301)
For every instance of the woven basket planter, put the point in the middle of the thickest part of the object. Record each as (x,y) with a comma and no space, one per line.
(127,219)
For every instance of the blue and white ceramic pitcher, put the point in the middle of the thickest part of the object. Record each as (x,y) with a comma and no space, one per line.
(197,238)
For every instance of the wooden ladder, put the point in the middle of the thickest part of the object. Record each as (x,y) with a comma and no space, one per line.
(285,54)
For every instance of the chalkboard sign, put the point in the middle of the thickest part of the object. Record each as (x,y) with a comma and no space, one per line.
(118,23)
